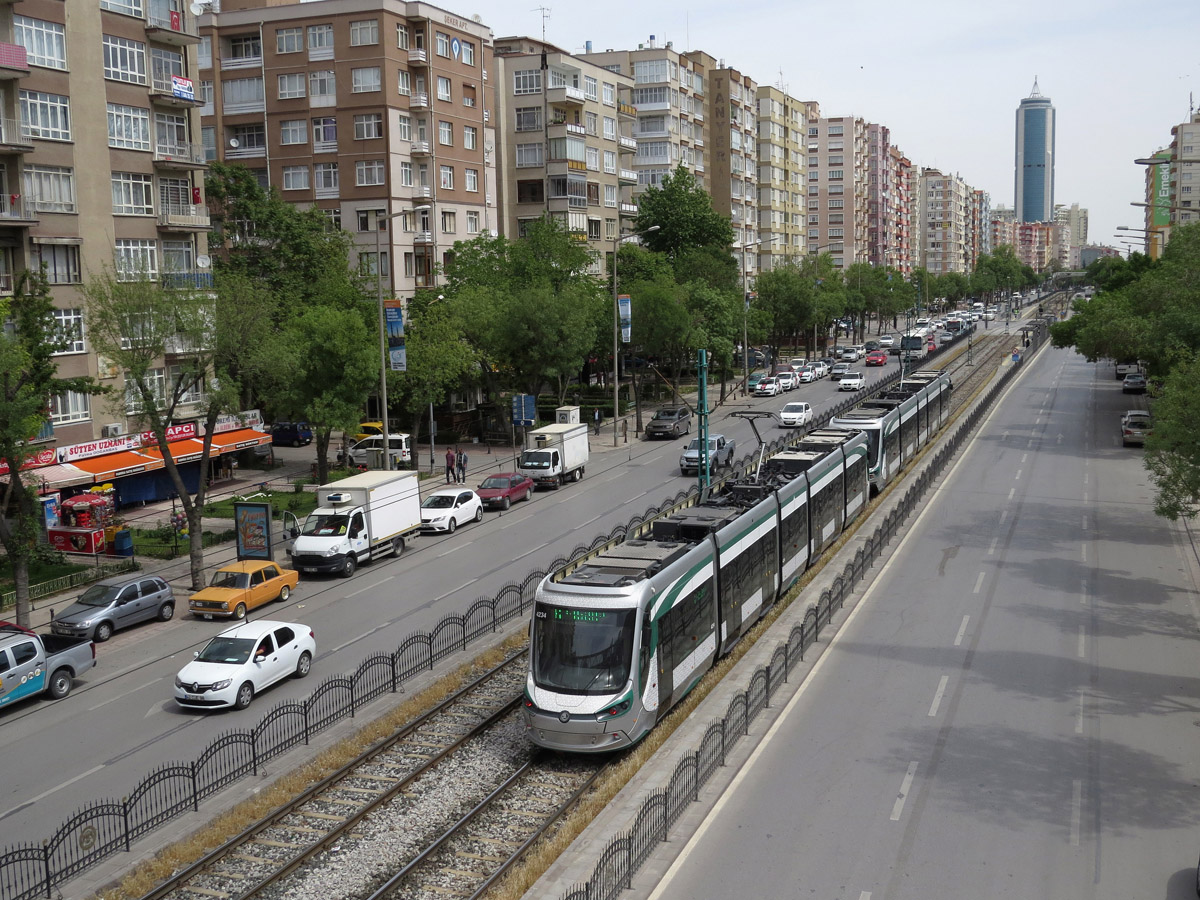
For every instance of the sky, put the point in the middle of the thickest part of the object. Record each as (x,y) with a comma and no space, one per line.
(945,77)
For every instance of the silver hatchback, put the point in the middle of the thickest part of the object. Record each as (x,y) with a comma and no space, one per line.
(116,603)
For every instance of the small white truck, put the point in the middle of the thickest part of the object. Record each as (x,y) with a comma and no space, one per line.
(33,664)
(555,454)
(356,520)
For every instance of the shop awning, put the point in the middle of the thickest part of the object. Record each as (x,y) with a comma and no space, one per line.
(54,476)
(232,441)
(184,451)
(118,465)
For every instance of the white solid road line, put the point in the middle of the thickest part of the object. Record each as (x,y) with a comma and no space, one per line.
(1083,552)
(978,583)
(1003,515)
(992,546)
(905,787)
(351,641)
(1012,493)
(125,694)
(44,794)
(455,549)
(454,590)
(1079,713)
(1076,809)
(1024,456)
(937,695)
(1017,477)
(369,587)
(962,630)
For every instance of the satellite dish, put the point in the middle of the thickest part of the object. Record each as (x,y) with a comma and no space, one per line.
(198,9)
(203,262)
(234,143)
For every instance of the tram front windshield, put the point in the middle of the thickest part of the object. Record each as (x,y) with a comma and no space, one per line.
(582,651)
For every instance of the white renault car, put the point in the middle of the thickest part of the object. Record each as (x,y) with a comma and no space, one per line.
(244,661)
(795,415)
(450,507)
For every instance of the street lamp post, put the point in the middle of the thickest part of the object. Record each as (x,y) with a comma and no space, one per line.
(746,245)
(380,220)
(617,323)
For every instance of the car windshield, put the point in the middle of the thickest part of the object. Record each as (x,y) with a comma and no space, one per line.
(438,501)
(100,595)
(535,459)
(666,414)
(230,580)
(694,446)
(582,651)
(326,524)
(494,483)
(228,651)
(794,408)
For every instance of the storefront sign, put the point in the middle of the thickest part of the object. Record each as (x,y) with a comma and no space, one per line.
(251,418)
(41,458)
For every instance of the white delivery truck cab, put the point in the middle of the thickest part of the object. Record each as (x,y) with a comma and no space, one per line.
(356,520)
(555,454)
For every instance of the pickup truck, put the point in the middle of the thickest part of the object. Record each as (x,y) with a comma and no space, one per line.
(32,663)
(720,453)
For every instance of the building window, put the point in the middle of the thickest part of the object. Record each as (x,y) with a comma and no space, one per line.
(406,173)
(128,127)
(472,222)
(68,323)
(250,136)
(242,95)
(591,87)
(445,134)
(372,263)
(593,159)
(402,37)
(610,162)
(449,222)
(609,94)
(443,88)
(368,172)
(45,43)
(404,83)
(295,178)
(132,194)
(322,84)
(447,177)
(527,81)
(136,259)
(291,86)
(472,179)
(646,71)
(293,131)
(325,177)
(368,126)
(50,188)
(124,60)
(470,137)
(125,7)
(364,81)
(836,204)
(529,118)
(325,134)
(289,40)
(70,406)
(610,128)
(320,41)
(244,48)
(529,155)
(364,33)
(60,262)
(835,174)
(443,44)
(593,229)
(405,127)
(610,195)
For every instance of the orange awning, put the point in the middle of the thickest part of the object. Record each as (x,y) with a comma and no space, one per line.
(232,441)
(184,451)
(118,465)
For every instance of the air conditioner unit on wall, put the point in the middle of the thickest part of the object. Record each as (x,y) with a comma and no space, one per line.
(113,430)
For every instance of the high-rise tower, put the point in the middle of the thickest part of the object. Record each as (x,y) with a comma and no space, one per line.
(1035,158)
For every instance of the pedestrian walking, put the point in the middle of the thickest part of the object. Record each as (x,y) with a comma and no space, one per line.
(462,466)
(596,419)
(450,459)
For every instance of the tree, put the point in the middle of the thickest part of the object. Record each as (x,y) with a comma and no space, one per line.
(685,217)
(27,380)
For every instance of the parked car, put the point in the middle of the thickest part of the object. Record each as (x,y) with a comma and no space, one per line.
(116,603)
(720,453)
(828,362)
(886,342)
(795,415)
(850,353)
(1134,383)
(32,664)
(238,587)
(755,379)
(768,387)
(871,346)
(822,366)
(852,381)
(1135,425)
(446,509)
(839,370)
(359,453)
(291,434)
(502,490)
(243,661)
(877,358)
(787,380)
(807,374)
(670,422)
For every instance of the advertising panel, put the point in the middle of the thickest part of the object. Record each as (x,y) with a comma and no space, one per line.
(253,524)
(625,305)
(394,320)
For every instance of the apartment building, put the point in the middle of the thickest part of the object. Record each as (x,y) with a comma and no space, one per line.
(115,79)
(838,201)
(979,240)
(782,199)
(565,142)
(897,247)
(945,211)
(367,110)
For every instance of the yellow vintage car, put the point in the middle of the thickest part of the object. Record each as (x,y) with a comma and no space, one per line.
(241,586)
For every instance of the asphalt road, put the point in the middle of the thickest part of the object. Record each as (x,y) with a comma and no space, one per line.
(1012,709)
(120,722)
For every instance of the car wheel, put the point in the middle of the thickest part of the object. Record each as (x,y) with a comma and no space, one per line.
(578,476)
(244,695)
(239,611)
(304,664)
(296,442)
(397,546)
(453,524)
(60,684)
(103,632)
(166,612)
(506,504)
(529,493)
(284,593)
(479,513)
(349,567)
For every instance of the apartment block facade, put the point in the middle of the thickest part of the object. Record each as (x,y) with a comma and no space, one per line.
(979,242)
(946,202)
(782,166)
(565,144)
(838,201)
(897,249)
(1185,171)
(108,85)
(367,110)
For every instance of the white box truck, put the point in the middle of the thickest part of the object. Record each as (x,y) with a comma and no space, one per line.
(356,520)
(555,454)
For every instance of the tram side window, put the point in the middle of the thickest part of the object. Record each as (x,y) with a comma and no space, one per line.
(795,531)
(856,476)
(768,564)
(874,439)
(688,620)
(908,429)
(892,446)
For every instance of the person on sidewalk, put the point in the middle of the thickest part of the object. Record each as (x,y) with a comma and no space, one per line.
(462,467)
(450,465)
(596,419)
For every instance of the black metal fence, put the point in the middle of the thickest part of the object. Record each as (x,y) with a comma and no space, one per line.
(105,827)
(626,852)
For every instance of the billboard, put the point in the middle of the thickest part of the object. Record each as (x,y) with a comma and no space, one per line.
(393,316)
(253,524)
(625,305)
(1160,202)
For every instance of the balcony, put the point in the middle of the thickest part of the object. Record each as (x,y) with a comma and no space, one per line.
(629,209)
(626,109)
(183,217)
(562,129)
(423,237)
(245,152)
(168,26)
(421,148)
(572,96)
(628,176)
(627,144)
(654,105)
(13,61)
(324,146)
(14,137)
(422,192)
(418,100)
(179,156)
(14,212)
(698,114)
(6,284)
(180,92)
(563,166)
(200,280)
(241,62)
(417,56)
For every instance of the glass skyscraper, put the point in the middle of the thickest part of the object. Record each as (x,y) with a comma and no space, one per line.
(1034,200)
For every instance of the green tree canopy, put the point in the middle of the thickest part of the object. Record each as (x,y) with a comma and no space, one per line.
(685,217)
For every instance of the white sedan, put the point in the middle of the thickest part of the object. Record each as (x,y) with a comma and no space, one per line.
(852,381)
(795,415)
(886,341)
(450,507)
(243,661)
